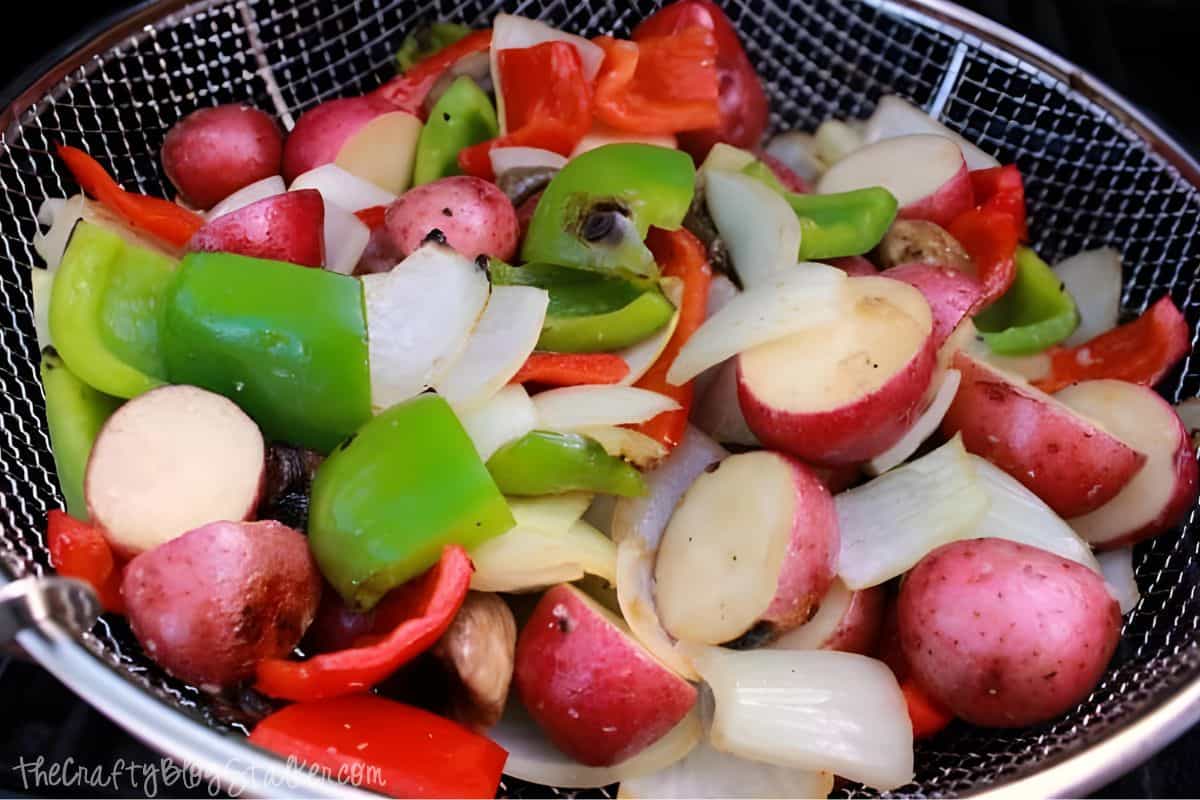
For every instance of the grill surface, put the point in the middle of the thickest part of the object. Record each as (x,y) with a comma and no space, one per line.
(1091,181)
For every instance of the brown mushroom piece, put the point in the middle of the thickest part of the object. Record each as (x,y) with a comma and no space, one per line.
(911,241)
(478,651)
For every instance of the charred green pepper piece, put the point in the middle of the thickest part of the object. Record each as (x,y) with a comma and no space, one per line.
(1036,312)
(463,116)
(543,462)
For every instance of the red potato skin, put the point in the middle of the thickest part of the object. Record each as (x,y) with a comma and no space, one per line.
(839,478)
(212,603)
(321,131)
(1072,465)
(951,294)
(287,227)
(784,174)
(598,695)
(211,153)
(861,626)
(854,266)
(1005,635)
(951,199)
(474,215)
(849,434)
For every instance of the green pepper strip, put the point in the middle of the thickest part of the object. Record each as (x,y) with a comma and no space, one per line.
(388,500)
(104,311)
(543,462)
(75,412)
(1035,313)
(418,46)
(463,116)
(286,343)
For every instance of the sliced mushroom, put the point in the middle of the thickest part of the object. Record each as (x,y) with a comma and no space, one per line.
(286,482)
(918,241)
(522,183)
(478,650)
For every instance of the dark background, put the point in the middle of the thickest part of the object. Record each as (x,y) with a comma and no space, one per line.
(1146,49)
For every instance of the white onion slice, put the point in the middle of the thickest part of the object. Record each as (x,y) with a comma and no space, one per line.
(640,357)
(759,228)
(718,412)
(525,559)
(509,158)
(50,209)
(1093,278)
(1017,514)
(600,513)
(637,527)
(502,341)
(720,291)
(575,407)
(1189,414)
(805,296)
(795,151)
(895,116)
(818,630)
(1117,568)
(635,447)
(506,417)
(41,285)
(65,213)
(922,429)
(817,710)
(343,188)
(532,758)
(834,140)
(346,238)
(727,158)
(890,523)
(259,190)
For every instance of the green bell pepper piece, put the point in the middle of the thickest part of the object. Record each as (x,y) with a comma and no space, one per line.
(590,312)
(463,116)
(427,41)
(104,311)
(543,462)
(387,500)
(286,343)
(596,211)
(763,174)
(843,224)
(1036,312)
(75,412)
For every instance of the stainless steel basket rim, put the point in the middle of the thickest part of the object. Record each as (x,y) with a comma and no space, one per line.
(253,772)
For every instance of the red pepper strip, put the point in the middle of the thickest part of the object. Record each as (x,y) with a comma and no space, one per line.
(408,91)
(659,85)
(1141,351)
(1001,189)
(990,237)
(160,218)
(372,217)
(571,369)
(79,550)
(373,743)
(784,174)
(414,616)
(679,254)
(927,715)
(547,104)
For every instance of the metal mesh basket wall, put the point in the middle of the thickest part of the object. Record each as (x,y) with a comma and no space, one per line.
(1090,180)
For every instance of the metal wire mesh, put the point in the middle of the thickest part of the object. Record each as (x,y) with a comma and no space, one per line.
(1090,181)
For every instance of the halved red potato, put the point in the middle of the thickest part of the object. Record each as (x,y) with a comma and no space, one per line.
(926,173)
(1067,459)
(169,461)
(749,552)
(213,152)
(285,227)
(847,620)
(598,694)
(1164,489)
(843,392)
(951,294)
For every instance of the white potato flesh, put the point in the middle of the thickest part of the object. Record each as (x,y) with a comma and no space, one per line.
(383,151)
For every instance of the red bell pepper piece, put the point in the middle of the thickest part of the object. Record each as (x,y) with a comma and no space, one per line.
(408,91)
(372,217)
(1141,351)
(990,237)
(407,622)
(927,715)
(679,254)
(159,218)
(79,550)
(374,743)
(660,84)
(547,104)
(1002,189)
(743,102)
(571,369)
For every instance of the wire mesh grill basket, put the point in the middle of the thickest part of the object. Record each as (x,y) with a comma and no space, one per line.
(1097,174)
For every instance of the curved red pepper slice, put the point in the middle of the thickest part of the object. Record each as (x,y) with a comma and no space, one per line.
(1002,189)
(927,715)
(990,237)
(571,369)
(411,617)
(79,550)
(407,92)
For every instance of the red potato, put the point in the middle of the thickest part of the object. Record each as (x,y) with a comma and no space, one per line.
(212,603)
(286,227)
(854,266)
(784,174)
(598,694)
(950,293)
(1068,460)
(849,621)
(1164,489)
(845,392)
(211,153)
(474,215)
(749,552)
(1003,634)
(839,478)
(927,175)
(169,461)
